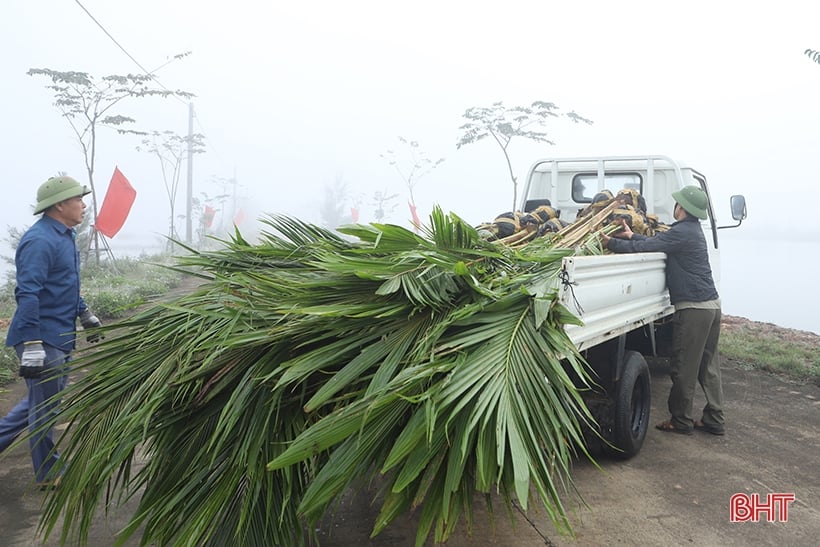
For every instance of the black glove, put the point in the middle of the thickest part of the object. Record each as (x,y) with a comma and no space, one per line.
(89,321)
(33,360)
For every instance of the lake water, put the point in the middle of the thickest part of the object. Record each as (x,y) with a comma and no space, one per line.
(773,281)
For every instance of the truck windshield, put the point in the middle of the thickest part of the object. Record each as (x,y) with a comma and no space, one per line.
(585,185)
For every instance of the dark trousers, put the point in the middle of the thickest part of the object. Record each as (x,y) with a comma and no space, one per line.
(39,406)
(695,335)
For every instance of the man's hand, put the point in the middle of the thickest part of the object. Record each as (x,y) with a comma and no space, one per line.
(625,232)
(33,360)
(90,321)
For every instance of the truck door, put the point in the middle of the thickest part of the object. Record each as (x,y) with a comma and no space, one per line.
(710,230)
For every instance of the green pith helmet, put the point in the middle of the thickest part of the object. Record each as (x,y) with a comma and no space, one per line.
(693,200)
(57,189)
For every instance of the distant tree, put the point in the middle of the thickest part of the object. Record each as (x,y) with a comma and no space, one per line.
(383,204)
(503,124)
(813,55)
(88,104)
(335,208)
(412,168)
(171,150)
(227,202)
(12,238)
(203,213)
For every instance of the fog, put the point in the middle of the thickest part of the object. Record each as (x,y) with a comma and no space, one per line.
(293,97)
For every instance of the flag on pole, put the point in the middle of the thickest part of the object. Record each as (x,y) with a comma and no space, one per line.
(117,204)
(416,221)
(208,216)
(239,218)
(354,214)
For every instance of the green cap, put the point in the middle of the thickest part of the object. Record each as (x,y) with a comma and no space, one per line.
(57,189)
(693,200)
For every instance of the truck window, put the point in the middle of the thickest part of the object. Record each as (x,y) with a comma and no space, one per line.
(585,185)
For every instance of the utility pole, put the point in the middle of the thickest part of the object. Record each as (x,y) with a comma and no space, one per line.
(189,202)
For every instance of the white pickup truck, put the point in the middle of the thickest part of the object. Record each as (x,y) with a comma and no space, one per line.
(621,299)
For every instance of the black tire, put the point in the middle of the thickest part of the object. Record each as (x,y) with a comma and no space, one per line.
(633,397)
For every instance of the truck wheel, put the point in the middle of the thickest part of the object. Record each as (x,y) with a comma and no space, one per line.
(632,401)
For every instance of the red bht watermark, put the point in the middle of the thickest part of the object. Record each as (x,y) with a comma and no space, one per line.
(750,507)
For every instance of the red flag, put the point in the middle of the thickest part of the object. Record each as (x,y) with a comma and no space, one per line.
(208,216)
(416,221)
(239,218)
(354,213)
(117,204)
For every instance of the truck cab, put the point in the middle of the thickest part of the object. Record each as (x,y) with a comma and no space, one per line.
(621,300)
(570,184)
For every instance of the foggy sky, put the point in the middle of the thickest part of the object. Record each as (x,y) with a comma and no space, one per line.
(293,96)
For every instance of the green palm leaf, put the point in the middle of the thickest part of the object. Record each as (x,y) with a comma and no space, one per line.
(239,413)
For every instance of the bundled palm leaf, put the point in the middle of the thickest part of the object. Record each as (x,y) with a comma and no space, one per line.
(605,214)
(309,363)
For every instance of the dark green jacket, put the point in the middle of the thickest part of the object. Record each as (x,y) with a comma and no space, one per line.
(688,274)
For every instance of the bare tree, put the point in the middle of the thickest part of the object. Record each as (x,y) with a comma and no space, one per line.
(411,168)
(171,150)
(383,204)
(203,213)
(89,104)
(503,124)
(226,199)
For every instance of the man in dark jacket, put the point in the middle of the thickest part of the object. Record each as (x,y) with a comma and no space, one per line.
(696,322)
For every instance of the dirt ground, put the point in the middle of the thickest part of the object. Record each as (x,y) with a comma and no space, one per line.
(675,491)
(731,323)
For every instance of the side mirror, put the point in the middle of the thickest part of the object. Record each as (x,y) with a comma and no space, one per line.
(738,206)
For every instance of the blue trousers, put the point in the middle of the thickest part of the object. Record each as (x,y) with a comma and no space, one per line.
(38,407)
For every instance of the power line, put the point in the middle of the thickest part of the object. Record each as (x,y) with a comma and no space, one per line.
(145,70)
(152,75)
(205,133)
(112,38)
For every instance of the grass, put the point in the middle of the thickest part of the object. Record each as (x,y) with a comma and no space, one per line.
(114,293)
(8,362)
(762,346)
(110,292)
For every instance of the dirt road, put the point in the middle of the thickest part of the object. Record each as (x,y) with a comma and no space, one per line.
(676,491)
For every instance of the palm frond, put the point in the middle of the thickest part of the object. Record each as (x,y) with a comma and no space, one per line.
(239,413)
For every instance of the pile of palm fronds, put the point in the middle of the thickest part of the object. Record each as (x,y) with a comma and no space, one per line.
(309,363)
(606,213)
(521,228)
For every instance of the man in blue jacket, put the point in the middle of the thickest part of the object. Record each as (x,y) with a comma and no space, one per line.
(42,330)
(696,322)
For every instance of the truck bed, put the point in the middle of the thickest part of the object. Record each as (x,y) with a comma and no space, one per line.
(613,294)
